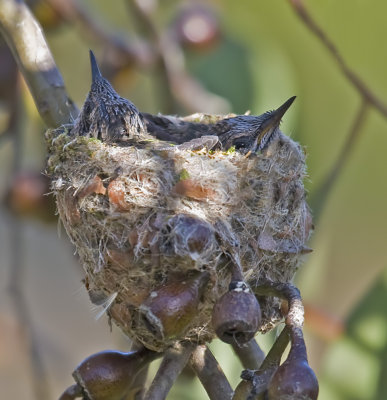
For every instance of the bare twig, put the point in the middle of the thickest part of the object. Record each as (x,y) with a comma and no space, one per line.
(250,354)
(15,286)
(210,374)
(288,292)
(130,50)
(365,92)
(9,90)
(146,24)
(37,370)
(138,385)
(255,383)
(174,361)
(177,83)
(320,195)
(25,38)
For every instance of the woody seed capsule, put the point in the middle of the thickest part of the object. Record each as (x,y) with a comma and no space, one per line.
(169,310)
(236,315)
(108,375)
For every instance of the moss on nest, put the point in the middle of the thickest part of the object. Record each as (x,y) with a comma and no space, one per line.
(145,217)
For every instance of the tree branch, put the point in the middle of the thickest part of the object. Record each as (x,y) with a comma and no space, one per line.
(210,374)
(250,354)
(365,92)
(174,361)
(288,292)
(320,195)
(129,50)
(254,383)
(25,38)
(179,86)
(15,285)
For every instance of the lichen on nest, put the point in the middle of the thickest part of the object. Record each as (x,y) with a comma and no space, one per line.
(157,226)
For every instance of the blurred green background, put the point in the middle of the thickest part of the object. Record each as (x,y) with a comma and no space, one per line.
(259,55)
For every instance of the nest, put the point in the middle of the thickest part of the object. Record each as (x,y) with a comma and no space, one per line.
(147,217)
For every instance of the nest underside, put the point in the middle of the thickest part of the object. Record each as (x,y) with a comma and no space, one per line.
(128,210)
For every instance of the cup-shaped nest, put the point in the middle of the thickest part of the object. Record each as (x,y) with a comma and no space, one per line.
(160,229)
(146,216)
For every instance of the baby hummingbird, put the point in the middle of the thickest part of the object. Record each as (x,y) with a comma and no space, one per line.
(106,115)
(248,133)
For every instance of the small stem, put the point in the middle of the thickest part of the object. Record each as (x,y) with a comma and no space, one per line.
(138,385)
(273,357)
(288,292)
(250,354)
(129,50)
(16,279)
(174,361)
(320,195)
(254,383)
(146,24)
(366,93)
(178,87)
(25,38)
(210,374)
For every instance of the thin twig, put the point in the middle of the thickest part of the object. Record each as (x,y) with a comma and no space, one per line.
(15,285)
(365,92)
(9,90)
(25,38)
(250,354)
(174,361)
(255,383)
(177,83)
(288,292)
(210,374)
(146,24)
(320,195)
(130,50)
(138,385)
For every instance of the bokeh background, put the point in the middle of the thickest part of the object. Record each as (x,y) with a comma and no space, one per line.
(249,55)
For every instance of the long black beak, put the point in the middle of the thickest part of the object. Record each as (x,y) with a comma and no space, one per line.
(275,116)
(95,72)
(270,124)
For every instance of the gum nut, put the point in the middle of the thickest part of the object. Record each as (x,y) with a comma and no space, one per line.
(108,375)
(294,379)
(168,310)
(236,316)
(192,234)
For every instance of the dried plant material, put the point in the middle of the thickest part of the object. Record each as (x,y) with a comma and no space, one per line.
(94,186)
(193,190)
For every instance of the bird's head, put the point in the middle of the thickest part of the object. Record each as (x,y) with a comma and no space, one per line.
(105,114)
(250,133)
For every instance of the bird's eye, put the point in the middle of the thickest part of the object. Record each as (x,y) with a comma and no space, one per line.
(241,143)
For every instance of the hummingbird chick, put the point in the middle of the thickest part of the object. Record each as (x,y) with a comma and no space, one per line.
(247,133)
(105,115)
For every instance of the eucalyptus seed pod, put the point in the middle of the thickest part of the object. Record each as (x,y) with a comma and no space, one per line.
(108,375)
(190,236)
(294,379)
(169,309)
(236,315)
